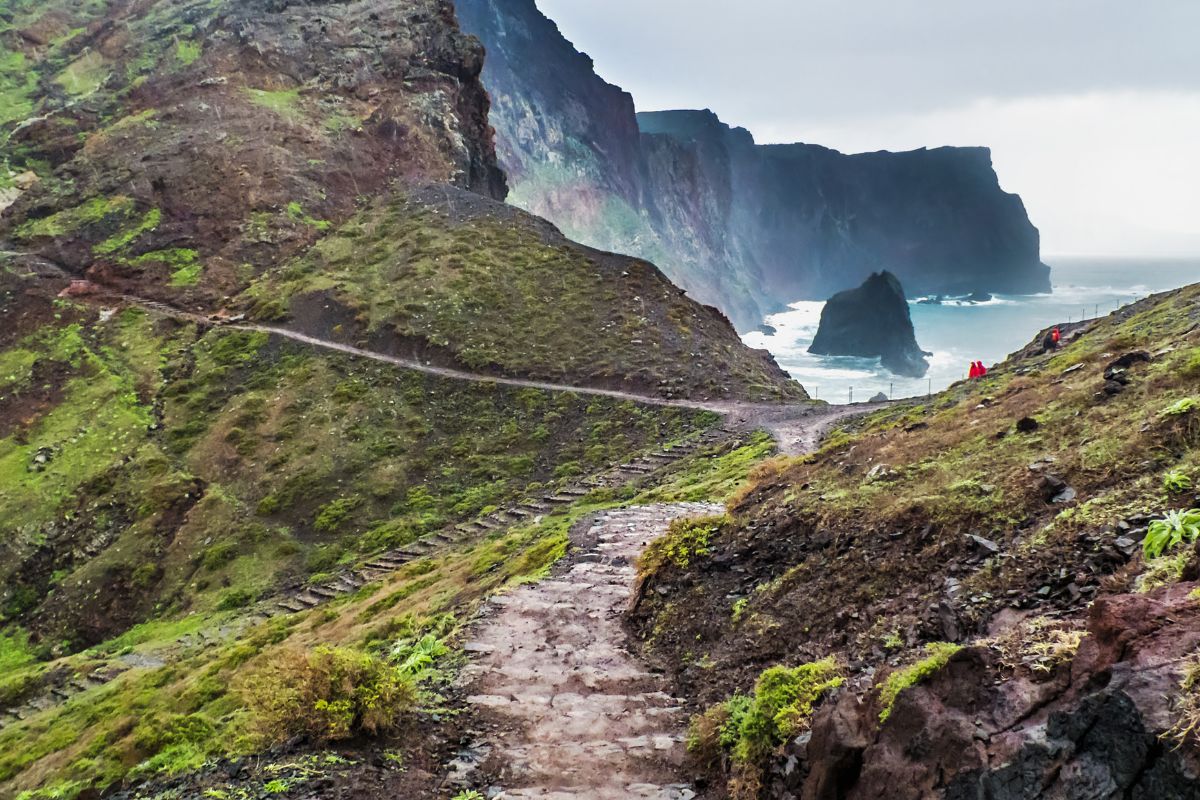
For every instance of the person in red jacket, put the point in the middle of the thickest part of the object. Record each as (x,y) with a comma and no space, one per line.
(974,373)
(1056,335)
(982,370)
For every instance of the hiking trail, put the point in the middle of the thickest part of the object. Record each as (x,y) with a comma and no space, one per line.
(575,713)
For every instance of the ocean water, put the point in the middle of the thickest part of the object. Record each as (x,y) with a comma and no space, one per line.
(959,333)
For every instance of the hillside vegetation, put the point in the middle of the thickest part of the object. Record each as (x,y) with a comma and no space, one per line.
(986,533)
(158,478)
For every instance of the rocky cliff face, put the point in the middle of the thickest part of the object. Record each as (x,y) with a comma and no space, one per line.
(872,321)
(179,148)
(742,226)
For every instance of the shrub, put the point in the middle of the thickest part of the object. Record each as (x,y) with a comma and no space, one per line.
(327,694)
(939,655)
(1168,533)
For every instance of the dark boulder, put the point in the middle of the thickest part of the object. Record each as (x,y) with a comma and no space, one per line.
(872,320)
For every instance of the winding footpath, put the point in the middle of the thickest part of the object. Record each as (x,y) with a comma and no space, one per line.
(797,427)
(576,714)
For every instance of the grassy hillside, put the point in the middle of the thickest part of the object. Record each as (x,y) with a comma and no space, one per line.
(157,478)
(1027,493)
(456,279)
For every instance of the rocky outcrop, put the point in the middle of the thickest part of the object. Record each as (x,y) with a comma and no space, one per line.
(1098,727)
(741,226)
(872,321)
(227,138)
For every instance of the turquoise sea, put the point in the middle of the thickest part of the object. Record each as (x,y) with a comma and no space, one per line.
(958,333)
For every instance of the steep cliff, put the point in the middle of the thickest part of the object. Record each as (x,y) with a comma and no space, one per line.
(745,227)
(872,321)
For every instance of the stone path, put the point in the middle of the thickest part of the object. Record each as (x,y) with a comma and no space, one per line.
(578,716)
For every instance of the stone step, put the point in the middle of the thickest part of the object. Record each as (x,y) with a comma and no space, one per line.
(347,583)
(325,592)
(307,599)
(291,605)
(575,492)
(385,565)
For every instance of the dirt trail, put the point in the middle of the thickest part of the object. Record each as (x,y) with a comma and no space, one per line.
(797,426)
(578,715)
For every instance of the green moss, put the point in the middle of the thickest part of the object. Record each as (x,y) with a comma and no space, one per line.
(15,651)
(119,241)
(296,213)
(939,654)
(685,540)
(95,211)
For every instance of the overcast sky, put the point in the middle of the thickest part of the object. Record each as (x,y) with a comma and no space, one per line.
(1091,107)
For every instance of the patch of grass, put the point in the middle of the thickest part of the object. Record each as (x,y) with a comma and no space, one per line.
(297,213)
(939,654)
(85,75)
(284,102)
(1186,707)
(1038,645)
(188,52)
(495,296)
(18,82)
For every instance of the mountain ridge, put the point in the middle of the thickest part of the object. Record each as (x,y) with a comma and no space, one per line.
(711,208)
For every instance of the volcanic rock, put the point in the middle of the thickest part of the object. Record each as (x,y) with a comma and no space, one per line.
(872,320)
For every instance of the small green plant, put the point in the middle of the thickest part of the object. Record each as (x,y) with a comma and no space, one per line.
(1168,533)
(1181,408)
(898,681)
(276,786)
(416,659)
(739,608)
(469,794)
(1177,482)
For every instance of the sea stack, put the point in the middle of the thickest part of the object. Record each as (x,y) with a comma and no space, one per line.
(870,321)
